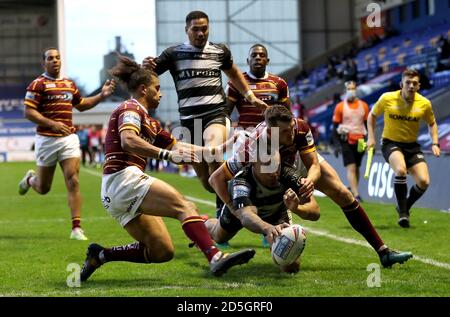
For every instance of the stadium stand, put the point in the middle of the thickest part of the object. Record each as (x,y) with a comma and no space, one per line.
(379,70)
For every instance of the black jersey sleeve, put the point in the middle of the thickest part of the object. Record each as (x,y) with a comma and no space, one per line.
(164,61)
(240,190)
(290,177)
(226,58)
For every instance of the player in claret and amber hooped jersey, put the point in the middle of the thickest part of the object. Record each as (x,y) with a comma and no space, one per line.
(49,103)
(266,86)
(138,201)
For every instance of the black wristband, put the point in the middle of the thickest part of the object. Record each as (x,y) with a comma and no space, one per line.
(163,154)
(437,144)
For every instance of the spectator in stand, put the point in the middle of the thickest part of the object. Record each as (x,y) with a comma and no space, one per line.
(331,71)
(350,72)
(444,48)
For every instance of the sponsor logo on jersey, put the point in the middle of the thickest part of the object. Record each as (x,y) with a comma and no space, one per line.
(403,117)
(131,117)
(241,191)
(192,73)
(309,138)
(30,95)
(65,96)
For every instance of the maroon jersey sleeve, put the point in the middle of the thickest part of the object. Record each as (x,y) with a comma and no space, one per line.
(304,140)
(33,96)
(283,90)
(130,119)
(77,99)
(226,59)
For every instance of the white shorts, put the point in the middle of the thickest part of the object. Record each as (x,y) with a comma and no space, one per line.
(302,168)
(123,192)
(51,150)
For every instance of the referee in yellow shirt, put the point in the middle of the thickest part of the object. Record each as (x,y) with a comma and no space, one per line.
(403,110)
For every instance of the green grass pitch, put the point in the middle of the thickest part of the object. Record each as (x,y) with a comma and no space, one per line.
(35,250)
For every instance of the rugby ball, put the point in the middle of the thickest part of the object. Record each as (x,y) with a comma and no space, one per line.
(288,246)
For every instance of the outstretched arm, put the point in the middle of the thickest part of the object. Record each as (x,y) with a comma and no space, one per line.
(311,162)
(131,142)
(91,102)
(250,220)
(238,80)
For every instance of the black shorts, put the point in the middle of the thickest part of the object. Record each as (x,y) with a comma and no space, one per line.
(193,125)
(411,151)
(350,154)
(231,224)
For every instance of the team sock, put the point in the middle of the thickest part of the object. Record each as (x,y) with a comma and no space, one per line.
(401,189)
(135,252)
(76,222)
(414,194)
(31,180)
(195,229)
(357,217)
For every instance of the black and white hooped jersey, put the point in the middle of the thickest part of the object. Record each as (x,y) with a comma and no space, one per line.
(246,190)
(197,76)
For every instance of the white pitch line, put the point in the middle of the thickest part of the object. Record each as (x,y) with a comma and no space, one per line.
(324,233)
(317,232)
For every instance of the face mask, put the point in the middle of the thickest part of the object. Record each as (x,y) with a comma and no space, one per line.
(350,94)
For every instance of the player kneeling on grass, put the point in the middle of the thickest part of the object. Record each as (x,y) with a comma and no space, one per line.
(137,200)
(262,198)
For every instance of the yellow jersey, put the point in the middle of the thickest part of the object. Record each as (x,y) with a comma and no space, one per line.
(401,122)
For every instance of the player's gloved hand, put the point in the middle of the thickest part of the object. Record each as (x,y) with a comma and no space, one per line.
(149,62)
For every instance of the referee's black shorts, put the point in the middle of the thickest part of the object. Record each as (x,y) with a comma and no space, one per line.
(350,154)
(411,151)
